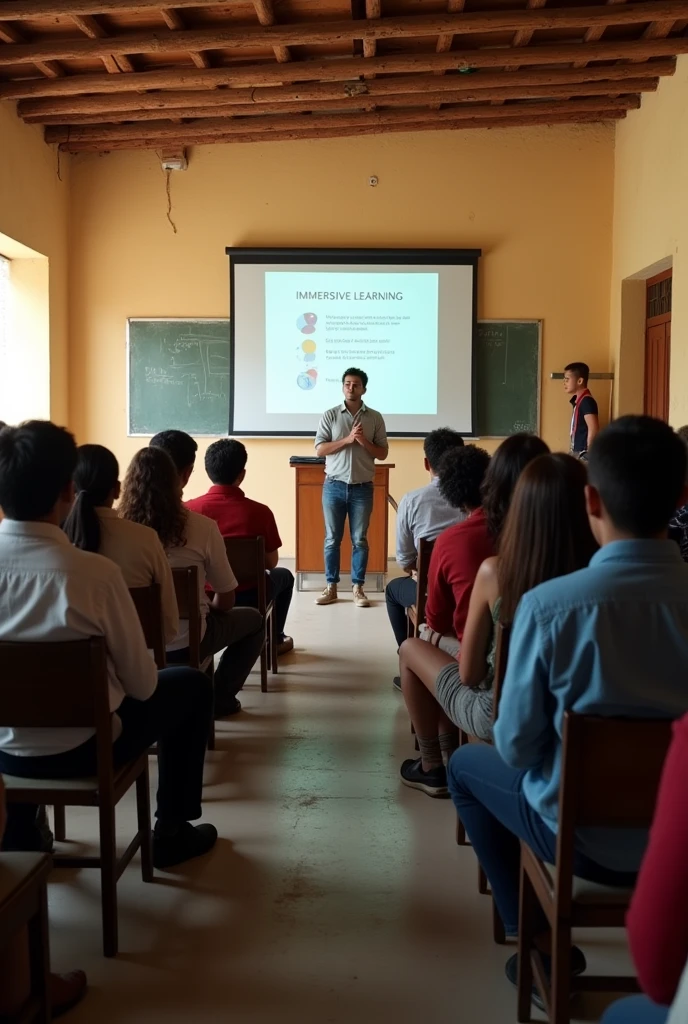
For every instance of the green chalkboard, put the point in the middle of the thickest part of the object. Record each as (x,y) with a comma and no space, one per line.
(178,376)
(508,377)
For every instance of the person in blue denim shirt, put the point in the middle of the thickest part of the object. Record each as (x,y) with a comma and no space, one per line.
(611,639)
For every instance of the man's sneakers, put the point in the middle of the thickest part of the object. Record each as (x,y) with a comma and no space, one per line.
(360,600)
(329,595)
(432,783)
(187,842)
(578,966)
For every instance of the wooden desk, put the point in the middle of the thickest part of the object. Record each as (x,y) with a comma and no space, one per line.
(310,525)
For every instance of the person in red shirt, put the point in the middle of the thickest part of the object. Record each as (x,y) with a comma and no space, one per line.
(657,921)
(239,516)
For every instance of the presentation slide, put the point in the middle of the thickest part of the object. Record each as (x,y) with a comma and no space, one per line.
(299,322)
(317,325)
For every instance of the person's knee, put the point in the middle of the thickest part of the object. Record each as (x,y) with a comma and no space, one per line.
(466,761)
(187,685)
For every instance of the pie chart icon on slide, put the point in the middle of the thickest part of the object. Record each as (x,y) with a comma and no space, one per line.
(306,323)
(307,381)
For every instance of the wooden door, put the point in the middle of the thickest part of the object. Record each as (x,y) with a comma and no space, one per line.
(658,346)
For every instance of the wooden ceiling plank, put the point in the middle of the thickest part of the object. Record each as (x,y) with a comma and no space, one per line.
(9,34)
(419,101)
(59,48)
(616,78)
(92,28)
(446,39)
(174,21)
(595,32)
(373,10)
(22,10)
(265,12)
(340,70)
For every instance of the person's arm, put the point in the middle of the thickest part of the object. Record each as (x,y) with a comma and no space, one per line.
(477,635)
(379,446)
(657,922)
(324,445)
(162,574)
(592,422)
(406,545)
(218,571)
(439,607)
(523,732)
(124,639)
(273,541)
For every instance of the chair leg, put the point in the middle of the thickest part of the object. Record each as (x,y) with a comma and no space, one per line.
(144,823)
(560,992)
(39,958)
(59,823)
(483,887)
(461,837)
(526,915)
(108,879)
(264,668)
(498,934)
(211,735)
(272,635)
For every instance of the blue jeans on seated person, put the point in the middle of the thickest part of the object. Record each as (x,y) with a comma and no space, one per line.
(400,594)
(635,1010)
(339,501)
(488,796)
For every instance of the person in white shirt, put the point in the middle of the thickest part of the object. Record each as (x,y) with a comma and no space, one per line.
(152,496)
(51,591)
(93,525)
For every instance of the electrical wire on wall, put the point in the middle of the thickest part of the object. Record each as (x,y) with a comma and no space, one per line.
(168,174)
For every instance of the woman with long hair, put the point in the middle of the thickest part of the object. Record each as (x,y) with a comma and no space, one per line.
(94,525)
(546,534)
(152,496)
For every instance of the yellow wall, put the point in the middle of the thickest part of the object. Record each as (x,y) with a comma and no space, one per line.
(651,228)
(537,201)
(34,208)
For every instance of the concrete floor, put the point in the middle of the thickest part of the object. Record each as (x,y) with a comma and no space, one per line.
(333,895)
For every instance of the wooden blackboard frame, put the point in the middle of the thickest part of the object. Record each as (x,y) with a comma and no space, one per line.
(163,320)
(535,321)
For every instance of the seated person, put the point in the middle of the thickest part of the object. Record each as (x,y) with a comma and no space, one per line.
(152,496)
(678,527)
(546,534)
(482,488)
(657,922)
(93,525)
(52,591)
(181,448)
(64,990)
(611,639)
(422,515)
(239,516)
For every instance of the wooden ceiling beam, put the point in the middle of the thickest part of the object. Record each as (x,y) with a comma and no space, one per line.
(174,21)
(340,70)
(211,127)
(123,103)
(420,101)
(265,13)
(22,10)
(9,34)
(293,134)
(446,39)
(245,37)
(92,28)
(595,32)
(373,11)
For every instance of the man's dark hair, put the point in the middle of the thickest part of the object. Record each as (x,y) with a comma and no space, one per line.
(225,460)
(638,466)
(461,473)
(179,445)
(580,370)
(353,372)
(37,460)
(438,442)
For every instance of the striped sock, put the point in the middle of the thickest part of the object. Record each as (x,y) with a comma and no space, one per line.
(430,753)
(449,742)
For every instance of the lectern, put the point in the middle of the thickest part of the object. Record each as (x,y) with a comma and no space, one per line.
(310,525)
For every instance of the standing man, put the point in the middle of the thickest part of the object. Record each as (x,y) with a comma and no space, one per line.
(350,436)
(585,422)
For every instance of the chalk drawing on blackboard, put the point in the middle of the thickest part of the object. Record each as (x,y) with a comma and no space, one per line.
(194,362)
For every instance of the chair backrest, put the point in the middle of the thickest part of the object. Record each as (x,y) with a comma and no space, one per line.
(246,555)
(148,604)
(189,605)
(59,686)
(425,548)
(502,638)
(610,773)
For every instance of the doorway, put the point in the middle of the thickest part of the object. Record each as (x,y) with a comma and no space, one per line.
(658,345)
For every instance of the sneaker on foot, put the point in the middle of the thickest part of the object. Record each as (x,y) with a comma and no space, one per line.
(360,600)
(223,709)
(329,594)
(285,645)
(190,841)
(578,966)
(432,783)
(396,683)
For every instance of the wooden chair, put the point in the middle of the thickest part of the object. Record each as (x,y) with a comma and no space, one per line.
(416,613)
(189,605)
(247,558)
(24,902)
(148,604)
(65,685)
(610,774)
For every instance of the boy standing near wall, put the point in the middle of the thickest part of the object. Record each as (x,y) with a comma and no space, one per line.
(585,422)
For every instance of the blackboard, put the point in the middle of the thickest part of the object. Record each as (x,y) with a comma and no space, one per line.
(178,376)
(508,377)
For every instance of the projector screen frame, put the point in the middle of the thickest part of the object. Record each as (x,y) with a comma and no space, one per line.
(410,257)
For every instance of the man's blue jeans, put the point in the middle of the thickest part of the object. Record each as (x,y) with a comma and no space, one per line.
(488,796)
(635,1010)
(339,501)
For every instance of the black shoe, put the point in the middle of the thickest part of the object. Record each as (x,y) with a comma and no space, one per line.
(396,683)
(578,966)
(189,842)
(432,783)
(227,708)
(36,837)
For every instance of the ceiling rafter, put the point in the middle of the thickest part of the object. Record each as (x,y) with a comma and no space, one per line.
(174,20)
(49,68)
(91,27)
(265,13)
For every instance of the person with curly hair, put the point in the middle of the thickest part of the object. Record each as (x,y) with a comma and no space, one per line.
(152,496)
